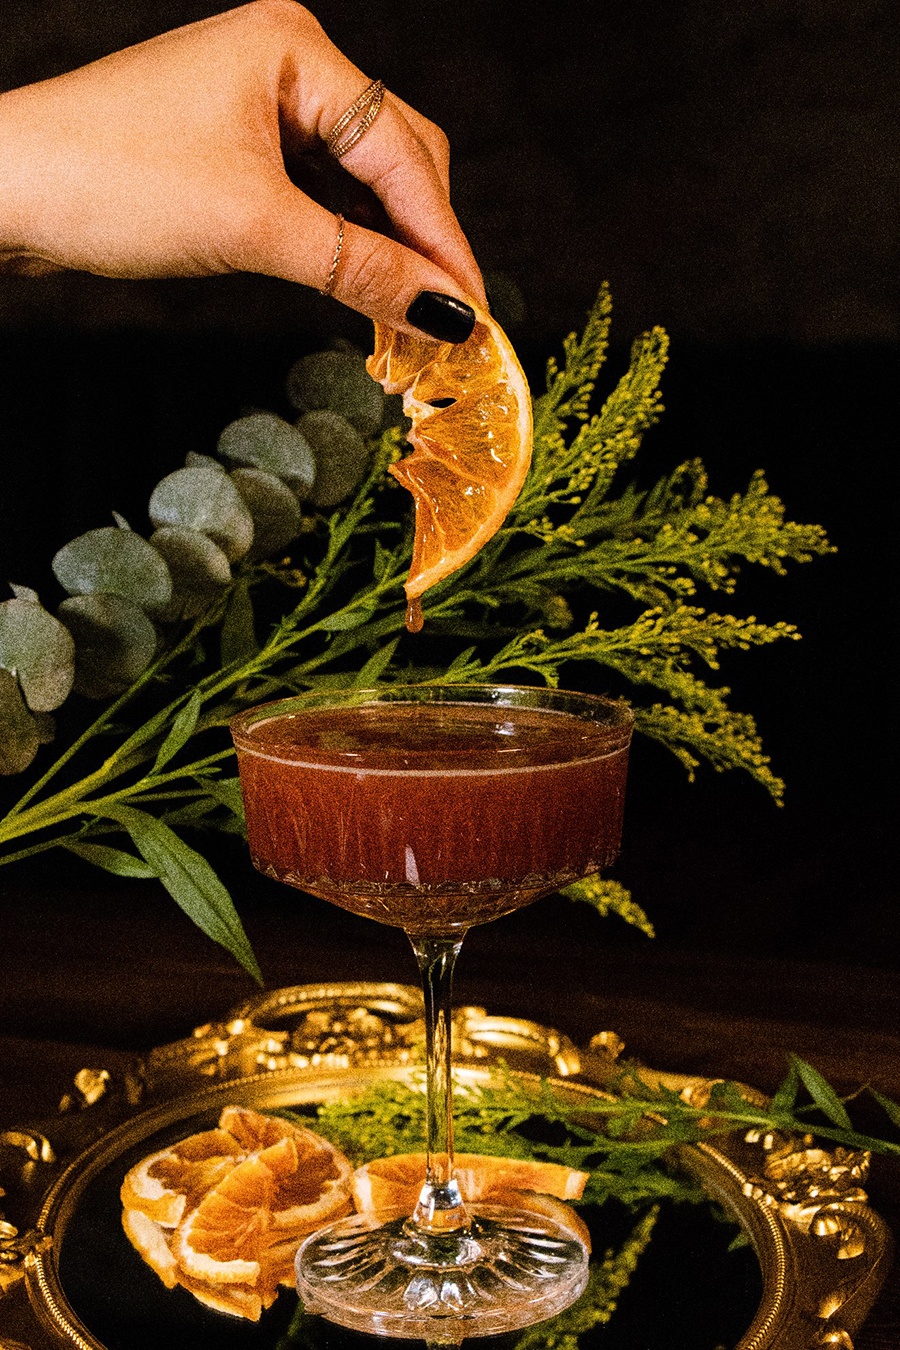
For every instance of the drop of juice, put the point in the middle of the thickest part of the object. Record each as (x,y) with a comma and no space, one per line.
(414,616)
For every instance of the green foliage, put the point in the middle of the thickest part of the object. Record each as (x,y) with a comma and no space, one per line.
(582,540)
(610,897)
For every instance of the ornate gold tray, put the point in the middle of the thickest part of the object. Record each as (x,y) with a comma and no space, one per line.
(69,1278)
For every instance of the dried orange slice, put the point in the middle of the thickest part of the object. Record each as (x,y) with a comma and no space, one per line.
(151,1239)
(287,1190)
(548,1205)
(472,438)
(163,1185)
(396,1182)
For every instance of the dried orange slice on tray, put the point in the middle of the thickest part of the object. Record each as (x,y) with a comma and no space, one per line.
(472,439)
(395,1182)
(223,1212)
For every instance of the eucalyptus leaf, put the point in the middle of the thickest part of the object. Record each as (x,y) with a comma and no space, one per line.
(276,513)
(114,642)
(114,562)
(114,860)
(19,738)
(342,455)
(182,730)
(238,641)
(194,461)
(264,441)
(204,499)
(200,570)
(189,879)
(337,381)
(39,650)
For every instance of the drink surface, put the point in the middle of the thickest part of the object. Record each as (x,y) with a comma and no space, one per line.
(432,816)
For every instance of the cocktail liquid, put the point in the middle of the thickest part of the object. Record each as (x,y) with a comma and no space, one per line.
(431,816)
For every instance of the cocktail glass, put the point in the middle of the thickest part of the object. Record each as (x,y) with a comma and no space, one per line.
(433,808)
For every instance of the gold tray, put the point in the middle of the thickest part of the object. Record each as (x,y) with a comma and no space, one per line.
(822,1252)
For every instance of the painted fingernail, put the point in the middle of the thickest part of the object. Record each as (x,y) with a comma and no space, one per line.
(441,316)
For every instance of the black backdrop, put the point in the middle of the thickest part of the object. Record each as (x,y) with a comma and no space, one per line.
(728,167)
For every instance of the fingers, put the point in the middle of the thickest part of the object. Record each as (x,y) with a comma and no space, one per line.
(291,236)
(403,157)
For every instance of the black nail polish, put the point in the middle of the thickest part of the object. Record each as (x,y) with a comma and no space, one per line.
(441,316)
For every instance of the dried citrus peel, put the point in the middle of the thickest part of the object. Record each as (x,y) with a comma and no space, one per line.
(223,1212)
(471,436)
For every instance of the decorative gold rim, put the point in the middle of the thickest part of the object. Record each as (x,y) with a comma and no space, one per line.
(822,1250)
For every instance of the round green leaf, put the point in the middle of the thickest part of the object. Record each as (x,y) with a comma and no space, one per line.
(112,561)
(19,737)
(200,570)
(114,642)
(342,455)
(274,508)
(264,441)
(194,461)
(339,382)
(204,499)
(39,650)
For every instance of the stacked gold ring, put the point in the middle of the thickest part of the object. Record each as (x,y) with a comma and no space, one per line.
(366,108)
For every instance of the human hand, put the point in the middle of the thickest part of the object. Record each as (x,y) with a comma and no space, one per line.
(166,159)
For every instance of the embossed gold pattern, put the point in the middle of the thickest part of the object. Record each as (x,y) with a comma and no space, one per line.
(823,1252)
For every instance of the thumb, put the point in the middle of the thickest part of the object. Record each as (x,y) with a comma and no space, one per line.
(385,280)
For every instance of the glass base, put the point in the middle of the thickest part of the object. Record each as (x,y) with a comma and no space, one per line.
(509,1269)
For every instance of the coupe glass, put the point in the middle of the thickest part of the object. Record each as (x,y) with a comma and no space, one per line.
(433,808)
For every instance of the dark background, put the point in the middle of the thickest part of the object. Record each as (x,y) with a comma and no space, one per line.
(732,170)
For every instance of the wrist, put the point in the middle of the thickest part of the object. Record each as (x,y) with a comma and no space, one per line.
(19,180)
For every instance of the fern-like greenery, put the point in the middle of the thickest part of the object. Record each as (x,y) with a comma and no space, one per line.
(588,569)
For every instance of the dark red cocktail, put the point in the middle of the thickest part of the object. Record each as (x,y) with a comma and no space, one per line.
(434,808)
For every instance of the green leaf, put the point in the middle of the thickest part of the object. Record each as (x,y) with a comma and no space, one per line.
(19,734)
(890,1108)
(346,619)
(114,860)
(114,642)
(238,639)
(277,518)
(342,455)
(822,1093)
(205,500)
(182,730)
(39,649)
(189,879)
(112,561)
(264,441)
(377,664)
(785,1098)
(227,792)
(337,381)
(200,570)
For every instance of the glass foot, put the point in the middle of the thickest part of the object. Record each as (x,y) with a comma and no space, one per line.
(511,1268)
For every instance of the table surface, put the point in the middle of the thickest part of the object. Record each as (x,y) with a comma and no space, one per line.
(94,972)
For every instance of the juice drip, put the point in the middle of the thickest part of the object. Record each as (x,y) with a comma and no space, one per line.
(414,616)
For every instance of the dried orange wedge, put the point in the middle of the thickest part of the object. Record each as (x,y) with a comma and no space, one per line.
(395,1182)
(287,1190)
(471,435)
(164,1184)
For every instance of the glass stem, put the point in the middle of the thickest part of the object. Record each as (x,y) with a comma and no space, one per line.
(440,1207)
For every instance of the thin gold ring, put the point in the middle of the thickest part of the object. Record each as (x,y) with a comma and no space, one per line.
(328,288)
(366,108)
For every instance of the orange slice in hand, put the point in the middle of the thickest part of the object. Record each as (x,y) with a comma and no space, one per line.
(471,435)
(395,1182)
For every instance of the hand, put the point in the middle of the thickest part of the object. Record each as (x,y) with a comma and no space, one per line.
(166,160)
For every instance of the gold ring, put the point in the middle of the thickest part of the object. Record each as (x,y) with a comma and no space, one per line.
(366,108)
(328,288)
